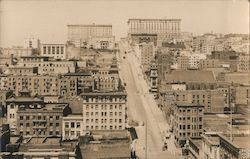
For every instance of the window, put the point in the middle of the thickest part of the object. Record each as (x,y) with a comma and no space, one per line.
(57,124)
(66,125)
(78,133)
(44,50)
(57,117)
(21,117)
(72,133)
(53,49)
(66,133)
(120,120)
(27,124)
(78,125)
(57,50)
(57,133)
(62,50)
(200,126)
(72,125)
(27,117)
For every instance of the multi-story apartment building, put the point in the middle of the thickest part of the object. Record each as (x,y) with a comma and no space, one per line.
(57,51)
(188,60)
(145,53)
(194,60)
(153,78)
(153,30)
(204,44)
(93,36)
(212,100)
(36,84)
(41,120)
(242,95)
(31,43)
(107,82)
(46,66)
(209,63)
(188,121)
(243,63)
(72,126)
(19,70)
(183,62)
(13,104)
(17,51)
(72,84)
(164,60)
(104,110)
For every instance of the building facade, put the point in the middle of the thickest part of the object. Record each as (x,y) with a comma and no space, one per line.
(104,111)
(91,36)
(153,30)
(72,126)
(43,120)
(188,121)
(57,51)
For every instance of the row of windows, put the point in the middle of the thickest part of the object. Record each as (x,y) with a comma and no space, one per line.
(38,124)
(38,117)
(189,118)
(72,133)
(103,113)
(184,127)
(104,99)
(103,107)
(189,134)
(189,110)
(49,65)
(38,133)
(103,127)
(53,50)
(72,124)
(102,121)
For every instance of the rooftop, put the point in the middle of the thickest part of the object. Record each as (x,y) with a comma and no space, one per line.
(48,144)
(143,19)
(118,149)
(187,104)
(190,76)
(89,25)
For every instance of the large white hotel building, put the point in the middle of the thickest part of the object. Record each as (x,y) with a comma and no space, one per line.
(143,30)
(96,36)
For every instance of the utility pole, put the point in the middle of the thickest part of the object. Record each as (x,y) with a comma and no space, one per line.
(146,138)
(231,131)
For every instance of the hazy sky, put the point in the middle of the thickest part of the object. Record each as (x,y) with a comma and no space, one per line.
(47,19)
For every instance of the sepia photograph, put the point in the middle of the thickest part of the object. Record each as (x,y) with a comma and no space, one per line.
(124,79)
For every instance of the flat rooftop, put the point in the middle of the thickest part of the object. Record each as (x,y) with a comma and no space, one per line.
(118,149)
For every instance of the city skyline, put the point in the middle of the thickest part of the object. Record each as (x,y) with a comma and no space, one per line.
(22,19)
